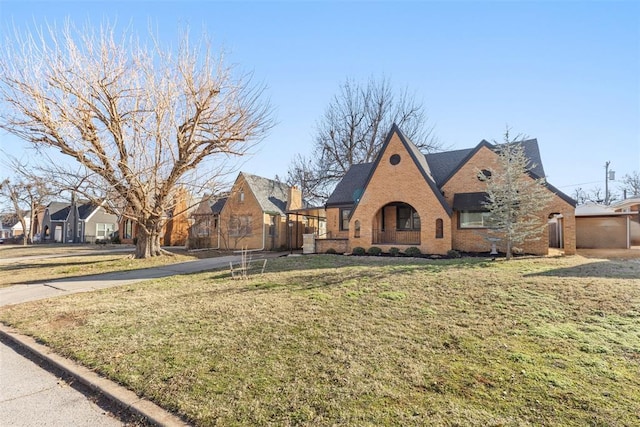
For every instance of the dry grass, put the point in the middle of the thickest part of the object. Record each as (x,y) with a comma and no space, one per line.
(332,340)
(16,251)
(40,263)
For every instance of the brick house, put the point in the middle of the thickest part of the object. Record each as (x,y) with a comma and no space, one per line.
(434,202)
(175,228)
(255,214)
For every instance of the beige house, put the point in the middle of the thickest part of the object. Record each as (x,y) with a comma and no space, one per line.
(608,227)
(434,202)
(631,206)
(257,214)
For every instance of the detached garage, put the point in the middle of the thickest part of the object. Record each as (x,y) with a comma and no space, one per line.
(600,227)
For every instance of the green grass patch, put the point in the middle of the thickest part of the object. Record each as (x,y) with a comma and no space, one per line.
(334,340)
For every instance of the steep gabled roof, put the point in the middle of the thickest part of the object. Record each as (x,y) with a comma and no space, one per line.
(417,157)
(271,195)
(58,211)
(217,206)
(86,209)
(351,187)
(443,164)
(447,163)
(436,168)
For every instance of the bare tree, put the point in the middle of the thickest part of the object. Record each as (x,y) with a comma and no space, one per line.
(140,119)
(579,195)
(27,198)
(631,184)
(514,198)
(352,131)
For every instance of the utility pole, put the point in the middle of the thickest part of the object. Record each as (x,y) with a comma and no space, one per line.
(608,175)
(606,182)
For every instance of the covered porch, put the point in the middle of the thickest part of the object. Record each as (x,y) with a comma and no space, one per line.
(396,223)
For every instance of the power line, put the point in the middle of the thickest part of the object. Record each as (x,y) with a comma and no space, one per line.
(582,183)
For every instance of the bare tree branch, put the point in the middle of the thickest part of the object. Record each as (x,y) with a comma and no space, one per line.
(139,120)
(352,131)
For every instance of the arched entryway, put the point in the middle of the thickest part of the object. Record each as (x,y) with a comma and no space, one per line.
(556,230)
(396,223)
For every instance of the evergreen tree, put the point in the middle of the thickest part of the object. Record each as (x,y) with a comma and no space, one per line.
(515,198)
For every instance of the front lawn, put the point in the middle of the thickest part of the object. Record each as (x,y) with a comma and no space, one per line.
(334,340)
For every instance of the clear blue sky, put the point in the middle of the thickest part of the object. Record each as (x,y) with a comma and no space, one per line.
(567,73)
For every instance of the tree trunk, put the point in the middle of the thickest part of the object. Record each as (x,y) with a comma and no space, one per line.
(148,241)
(509,250)
(23,222)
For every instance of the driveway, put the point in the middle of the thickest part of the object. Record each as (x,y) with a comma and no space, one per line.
(633,253)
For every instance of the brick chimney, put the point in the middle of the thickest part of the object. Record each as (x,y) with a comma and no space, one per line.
(295,199)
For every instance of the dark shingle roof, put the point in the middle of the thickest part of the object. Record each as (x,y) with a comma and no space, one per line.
(532,151)
(444,163)
(61,215)
(438,166)
(350,188)
(271,195)
(58,211)
(217,206)
(469,201)
(86,209)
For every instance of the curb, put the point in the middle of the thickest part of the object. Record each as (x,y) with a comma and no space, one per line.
(124,398)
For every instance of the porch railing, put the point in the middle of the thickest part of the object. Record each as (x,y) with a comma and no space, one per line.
(400,237)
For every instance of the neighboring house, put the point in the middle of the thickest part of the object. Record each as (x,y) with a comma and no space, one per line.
(175,230)
(257,214)
(205,232)
(5,231)
(434,201)
(16,229)
(631,205)
(77,222)
(605,227)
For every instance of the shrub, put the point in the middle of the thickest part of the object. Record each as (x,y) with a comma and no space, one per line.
(358,250)
(413,251)
(374,250)
(452,253)
(135,240)
(331,251)
(394,251)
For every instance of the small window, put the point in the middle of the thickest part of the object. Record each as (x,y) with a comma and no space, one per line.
(439,229)
(484,175)
(344,219)
(128,229)
(356,232)
(272,226)
(240,226)
(394,159)
(475,219)
(241,197)
(407,218)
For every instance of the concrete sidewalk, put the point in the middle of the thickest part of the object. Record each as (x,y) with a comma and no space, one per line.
(17,294)
(31,396)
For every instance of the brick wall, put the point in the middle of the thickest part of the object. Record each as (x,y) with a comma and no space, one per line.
(474,240)
(402,182)
(339,245)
